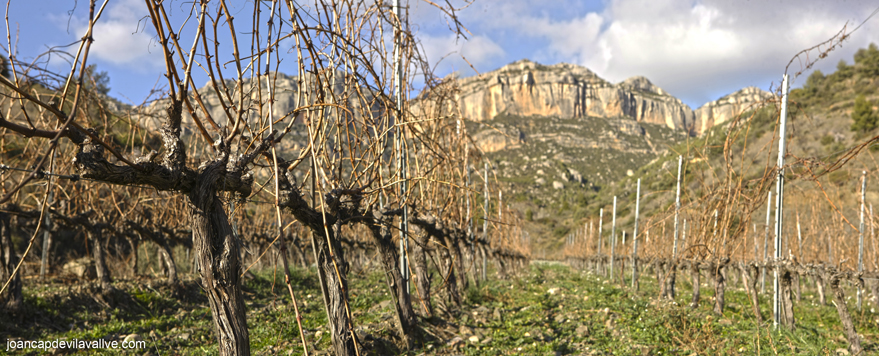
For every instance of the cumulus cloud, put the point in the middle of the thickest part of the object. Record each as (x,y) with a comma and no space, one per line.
(120,36)
(448,51)
(689,48)
(696,50)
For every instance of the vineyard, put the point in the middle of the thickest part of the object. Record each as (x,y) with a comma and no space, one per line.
(367,220)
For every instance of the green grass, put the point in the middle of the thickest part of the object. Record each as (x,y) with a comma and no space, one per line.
(575,312)
(548,309)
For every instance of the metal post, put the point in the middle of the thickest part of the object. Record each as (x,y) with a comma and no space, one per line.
(862,232)
(591,231)
(401,146)
(799,239)
(600,222)
(829,250)
(587,234)
(47,237)
(779,198)
(635,235)
(714,232)
(467,190)
(873,237)
(613,237)
(674,249)
(766,244)
(500,205)
(470,234)
(684,236)
(485,220)
(756,244)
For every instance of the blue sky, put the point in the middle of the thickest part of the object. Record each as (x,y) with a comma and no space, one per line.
(696,50)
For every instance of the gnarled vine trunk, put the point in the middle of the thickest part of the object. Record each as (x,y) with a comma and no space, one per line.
(332,268)
(696,275)
(95,235)
(422,274)
(217,253)
(166,258)
(381,234)
(453,262)
(12,299)
(750,276)
(333,271)
(459,246)
(670,275)
(132,241)
(842,309)
(719,286)
(168,262)
(787,305)
(820,279)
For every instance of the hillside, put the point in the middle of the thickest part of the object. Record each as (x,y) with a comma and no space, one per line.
(558,135)
(819,134)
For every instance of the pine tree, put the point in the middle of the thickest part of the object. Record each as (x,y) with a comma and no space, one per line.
(863,117)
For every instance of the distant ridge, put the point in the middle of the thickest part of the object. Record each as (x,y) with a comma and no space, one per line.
(527,88)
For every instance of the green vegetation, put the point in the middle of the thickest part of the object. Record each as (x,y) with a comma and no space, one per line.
(556,165)
(863,117)
(99,80)
(548,309)
(822,117)
(176,320)
(844,84)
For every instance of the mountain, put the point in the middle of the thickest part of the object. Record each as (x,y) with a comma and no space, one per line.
(561,126)
(526,88)
(286,99)
(545,127)
(728,107)
(563,140)
(826,158)
(556,135)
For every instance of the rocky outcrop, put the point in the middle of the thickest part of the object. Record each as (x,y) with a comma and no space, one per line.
(493,140)
(526,88)
(727,108)
(286,100)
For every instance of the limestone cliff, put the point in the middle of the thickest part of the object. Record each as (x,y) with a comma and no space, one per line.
(727,108)
(286,99)
(525,88)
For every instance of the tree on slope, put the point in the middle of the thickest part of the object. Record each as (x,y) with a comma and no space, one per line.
(863,117)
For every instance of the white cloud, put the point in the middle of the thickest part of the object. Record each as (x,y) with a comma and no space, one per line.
(121,36)
(696,50)
(447,51)
(119,40)
(570,39)
(690,48)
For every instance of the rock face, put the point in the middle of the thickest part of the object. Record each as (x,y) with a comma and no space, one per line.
(525,88)
(727,108)
(286,100)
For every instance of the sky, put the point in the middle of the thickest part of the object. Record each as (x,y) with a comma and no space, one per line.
(696,50)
